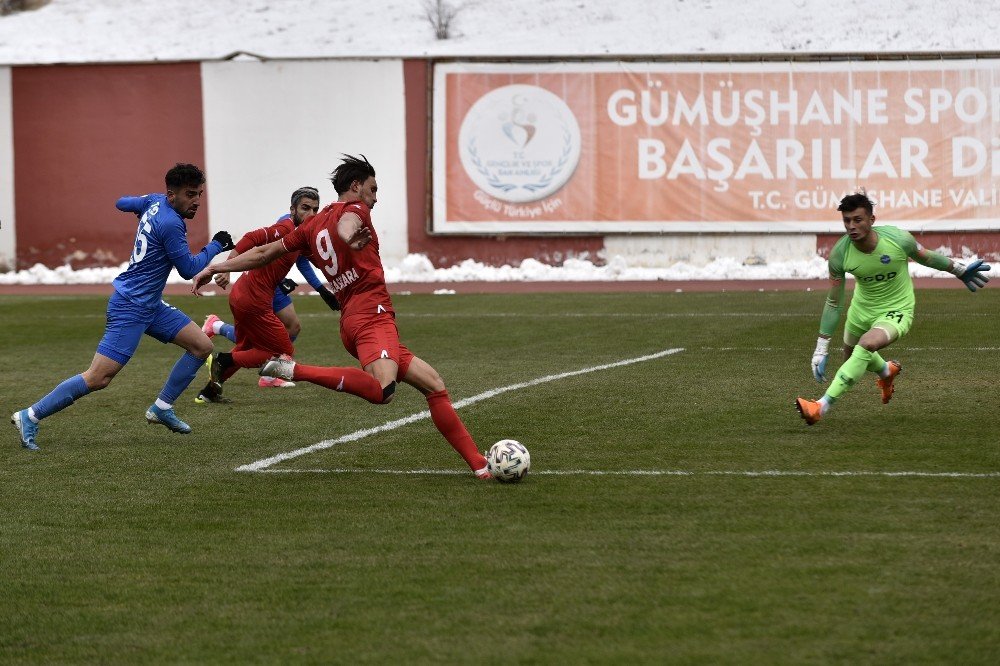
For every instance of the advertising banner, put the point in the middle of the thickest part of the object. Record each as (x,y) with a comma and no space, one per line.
(625,147)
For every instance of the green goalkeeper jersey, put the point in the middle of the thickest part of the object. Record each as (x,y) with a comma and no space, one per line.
(883,277)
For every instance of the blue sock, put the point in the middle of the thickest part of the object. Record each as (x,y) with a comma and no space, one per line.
(183,374)
(229,331)
(61,397)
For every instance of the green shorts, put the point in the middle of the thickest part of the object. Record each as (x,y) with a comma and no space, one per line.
(894,322)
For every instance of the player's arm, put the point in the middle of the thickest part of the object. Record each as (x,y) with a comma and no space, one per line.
(130,204)
(175,244)
(222,279)
(830,318)
(252,258)
(972,275)
(353,231)
(250,239)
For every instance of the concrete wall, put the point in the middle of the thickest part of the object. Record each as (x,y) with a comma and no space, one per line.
(6,172)
(86,135)
(74,138)
(271,127)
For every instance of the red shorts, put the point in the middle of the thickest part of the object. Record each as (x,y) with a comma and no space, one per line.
(370,337)
(257,327)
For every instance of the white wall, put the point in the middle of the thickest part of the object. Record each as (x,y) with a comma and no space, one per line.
(271,127)
(7,249)
(702,249)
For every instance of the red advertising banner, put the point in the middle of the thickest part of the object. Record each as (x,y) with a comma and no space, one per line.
(714,147)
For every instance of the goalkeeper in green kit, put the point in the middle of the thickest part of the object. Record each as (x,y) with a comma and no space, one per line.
(881,311)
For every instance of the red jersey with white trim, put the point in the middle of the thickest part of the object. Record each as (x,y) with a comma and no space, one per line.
(356,276)
(258,284)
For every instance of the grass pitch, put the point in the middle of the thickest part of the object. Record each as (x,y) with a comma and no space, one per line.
(121,542)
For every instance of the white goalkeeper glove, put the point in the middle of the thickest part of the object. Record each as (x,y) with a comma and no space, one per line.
(819,359)
(973,275)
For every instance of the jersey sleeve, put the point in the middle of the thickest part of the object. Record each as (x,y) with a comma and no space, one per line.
(175,245)
(904,239)
(359,209)
(131,204)
(263,236)
(914,250)
(302,263)
(298,240)
(830,318)
(836,261)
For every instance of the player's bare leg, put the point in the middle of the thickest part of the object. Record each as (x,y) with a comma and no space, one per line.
(290,318)
(426,379)
(101,371)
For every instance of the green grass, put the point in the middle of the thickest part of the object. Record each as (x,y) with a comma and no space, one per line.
(123,543)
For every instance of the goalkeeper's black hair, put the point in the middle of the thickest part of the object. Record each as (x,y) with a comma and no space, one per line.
(183,175)
(855,201)
(305,192)
(349,170)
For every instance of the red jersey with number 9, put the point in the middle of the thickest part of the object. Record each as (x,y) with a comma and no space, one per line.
(356,276)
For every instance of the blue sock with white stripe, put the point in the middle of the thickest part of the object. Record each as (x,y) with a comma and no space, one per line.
(60,398)
(180,377)
(229,331)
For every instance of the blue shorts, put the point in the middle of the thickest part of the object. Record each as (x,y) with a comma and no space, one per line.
(281,301)
(127,322)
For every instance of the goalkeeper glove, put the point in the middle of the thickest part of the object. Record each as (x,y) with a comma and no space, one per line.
(329,298)
(971,275)
(224,239)
(287,286)
(819,359)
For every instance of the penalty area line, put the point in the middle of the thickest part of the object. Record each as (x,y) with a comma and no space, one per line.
(653,472)
(263,464)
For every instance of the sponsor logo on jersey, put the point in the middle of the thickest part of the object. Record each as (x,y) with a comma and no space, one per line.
(881,277)
(885,259)
(519,143)
(344,279)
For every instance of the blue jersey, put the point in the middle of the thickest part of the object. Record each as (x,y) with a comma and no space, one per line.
(160,245)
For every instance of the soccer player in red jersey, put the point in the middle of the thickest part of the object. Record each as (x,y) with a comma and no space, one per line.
(260,331)
(341,242)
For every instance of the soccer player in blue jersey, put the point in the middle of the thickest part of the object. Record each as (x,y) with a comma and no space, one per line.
(136,306)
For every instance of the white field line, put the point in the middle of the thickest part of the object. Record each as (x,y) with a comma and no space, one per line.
(263,464)
(650,472)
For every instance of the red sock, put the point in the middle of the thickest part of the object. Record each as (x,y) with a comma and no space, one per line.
(349,380)
(251,358)
(448,423)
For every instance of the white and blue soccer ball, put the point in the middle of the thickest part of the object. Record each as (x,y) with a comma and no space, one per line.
(508,461)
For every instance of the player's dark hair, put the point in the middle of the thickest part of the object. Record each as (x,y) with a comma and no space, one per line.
(184,175)
(351,169)
(856,201)
(304,193)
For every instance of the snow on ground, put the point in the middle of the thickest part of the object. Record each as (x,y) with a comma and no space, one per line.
(144,30)
(418,268)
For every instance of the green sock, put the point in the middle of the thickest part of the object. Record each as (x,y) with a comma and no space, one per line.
(877,364)
(850,371)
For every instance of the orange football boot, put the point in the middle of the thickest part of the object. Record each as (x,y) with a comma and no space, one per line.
(885,383)
(809,409)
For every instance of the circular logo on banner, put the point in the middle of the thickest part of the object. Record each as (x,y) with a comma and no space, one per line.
(519,143)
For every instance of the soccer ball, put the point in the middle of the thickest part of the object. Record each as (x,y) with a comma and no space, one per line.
(508,461)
